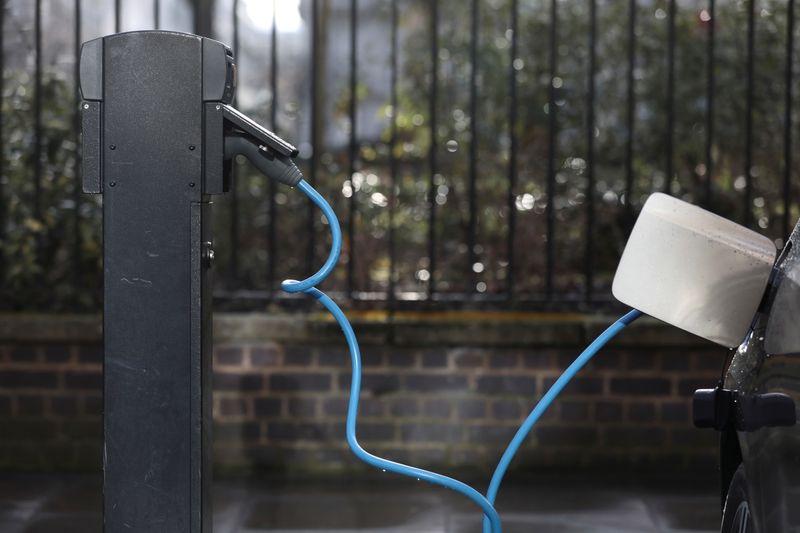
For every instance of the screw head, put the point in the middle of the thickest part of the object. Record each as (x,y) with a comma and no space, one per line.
(113,147)
(191,147)
(86,106)
(112,184)
(208,253)
(218,107)
(191,184)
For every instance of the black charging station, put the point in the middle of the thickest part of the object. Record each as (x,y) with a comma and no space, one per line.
(158,138)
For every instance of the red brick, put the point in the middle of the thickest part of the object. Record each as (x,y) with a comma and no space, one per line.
(91,353)
(57,353)
(236,431)
(267,406)
(434,359)
(435,382)
(469,358)
(230,355)
(30,405)
(608,411)
(641,386)
(23,353)
(507,385)
(287,382)
(506,409)
(83,380)
(632,437)
(5,405)
(675,412)
(468,408)
(490,434)
(536,360)
(448,433)
(641,412)
(404,407)
(293,431)
(23,379)
(306,407)
(64,405)
(232,406)
(566,436)
(574,411)
(297,356)
(436,408)
(334,406)
(93,405)
(237,382)
(504,359)
(401,358)
(264,356)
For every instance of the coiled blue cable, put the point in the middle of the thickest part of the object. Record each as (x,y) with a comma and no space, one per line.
(307,286)
(547,399)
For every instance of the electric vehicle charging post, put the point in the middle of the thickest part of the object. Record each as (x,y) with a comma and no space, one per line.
(157,139)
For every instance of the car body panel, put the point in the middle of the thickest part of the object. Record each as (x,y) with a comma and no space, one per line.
(769,361)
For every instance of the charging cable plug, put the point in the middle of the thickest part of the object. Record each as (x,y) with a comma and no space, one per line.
(272,164)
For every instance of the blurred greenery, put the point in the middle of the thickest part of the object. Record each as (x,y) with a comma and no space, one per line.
(40,267)
(51,261)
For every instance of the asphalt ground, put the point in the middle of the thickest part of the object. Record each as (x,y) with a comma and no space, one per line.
(546,504)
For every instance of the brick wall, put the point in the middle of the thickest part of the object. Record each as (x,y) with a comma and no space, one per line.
(438,391)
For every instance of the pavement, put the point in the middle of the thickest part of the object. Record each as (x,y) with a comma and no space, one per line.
(546,504)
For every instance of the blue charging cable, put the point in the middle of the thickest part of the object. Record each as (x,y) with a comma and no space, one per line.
(307,286)
(491,522)
(547,399)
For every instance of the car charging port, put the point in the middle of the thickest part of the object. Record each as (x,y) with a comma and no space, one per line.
(722,409)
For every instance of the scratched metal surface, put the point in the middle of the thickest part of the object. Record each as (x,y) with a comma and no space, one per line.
(152,115)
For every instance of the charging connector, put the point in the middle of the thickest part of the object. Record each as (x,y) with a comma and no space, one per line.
(272,164)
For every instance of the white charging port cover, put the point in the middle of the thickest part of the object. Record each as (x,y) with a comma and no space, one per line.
(694,270)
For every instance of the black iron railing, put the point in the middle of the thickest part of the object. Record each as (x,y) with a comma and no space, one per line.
(450,275)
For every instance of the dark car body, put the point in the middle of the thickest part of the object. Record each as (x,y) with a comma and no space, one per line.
(768,361)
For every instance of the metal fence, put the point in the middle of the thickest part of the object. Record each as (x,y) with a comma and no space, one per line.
(569,263)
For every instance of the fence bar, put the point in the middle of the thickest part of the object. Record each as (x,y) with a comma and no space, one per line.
(432,155)
(512,156)
(76,128)
(748,128)
(272,221)
(472,228)
(117,16)
(551,153)
(393,163)
(711,87)
(315,144)
(352,147)
(156,14)
(670,104)
(787,121)
(233,259)
(37,116)
(202,17)
(588,270)
(630,117)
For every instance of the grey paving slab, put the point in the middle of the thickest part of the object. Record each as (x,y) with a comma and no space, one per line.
(66,504)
